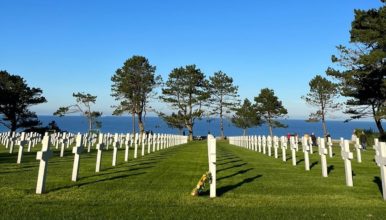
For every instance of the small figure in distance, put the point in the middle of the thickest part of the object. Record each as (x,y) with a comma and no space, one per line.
(363,140)
(313,138)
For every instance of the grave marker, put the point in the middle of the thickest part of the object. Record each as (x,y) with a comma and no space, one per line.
(21,143)
(381,160)
(77,150)
(115,149)
(212,164)
(323,152)
(43,156)
(347,156)
(100,146)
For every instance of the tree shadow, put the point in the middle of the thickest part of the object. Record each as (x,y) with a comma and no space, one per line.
(224,189)
(235,166)
(234,174)
(313,164)
(330,168)
(378,181)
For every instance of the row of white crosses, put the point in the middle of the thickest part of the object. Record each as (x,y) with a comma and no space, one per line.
(23,139)
(102,141)
(257,142)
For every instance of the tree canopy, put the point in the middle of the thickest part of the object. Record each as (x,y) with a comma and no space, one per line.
(246,116)
(133,85)
(269,108)
(185,90)
(223,96)
(362,73)
(83,106)
(15,99)
(322,95)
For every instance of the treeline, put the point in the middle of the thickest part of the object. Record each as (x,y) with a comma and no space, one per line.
(359,76)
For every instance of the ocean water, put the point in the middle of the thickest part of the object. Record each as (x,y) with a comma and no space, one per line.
(123,124)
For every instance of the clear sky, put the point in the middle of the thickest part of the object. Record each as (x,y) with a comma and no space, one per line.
(66,46)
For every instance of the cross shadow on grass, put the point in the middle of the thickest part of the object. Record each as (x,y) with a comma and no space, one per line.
(330,168)
(114,172)
(231,167)
(234,174)
(378,181)
(313,164)
(81,183)
(301,160)
(224,189)
(227,162)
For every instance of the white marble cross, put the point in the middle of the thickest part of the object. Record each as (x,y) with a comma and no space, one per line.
(306,150)
(255,143)
(43,156)
(64,139)
(381,160)
(12,142)
(375,143)
(22,142)
(347,156)
(259,143)
(143,145)
(136,145)
(158,141)
(100,146)
(264,142)
(293,150)
(358,148)
(127,147)
(149,138)
(115,149)
(275,146)
(212,164)
(77,150)
(283,141)
(323,152)
(154,140)
(269,145)
(329,143)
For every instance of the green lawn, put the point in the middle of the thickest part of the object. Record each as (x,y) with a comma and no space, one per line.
(249,186)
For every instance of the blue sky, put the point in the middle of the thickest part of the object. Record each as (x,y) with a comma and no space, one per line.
(68,46)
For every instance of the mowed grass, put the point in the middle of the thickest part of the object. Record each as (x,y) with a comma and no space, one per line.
(250,185)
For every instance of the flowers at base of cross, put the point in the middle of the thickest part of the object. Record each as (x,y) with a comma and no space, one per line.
(206,178)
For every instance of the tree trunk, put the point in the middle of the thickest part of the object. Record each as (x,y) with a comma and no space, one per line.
(221,125)
(13,125)
(89,124)
(140,124)
(133,121)
(190,129)
(378,122)
(244,131)
(324,127)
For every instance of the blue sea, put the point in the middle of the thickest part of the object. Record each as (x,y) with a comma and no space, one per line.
(123,124)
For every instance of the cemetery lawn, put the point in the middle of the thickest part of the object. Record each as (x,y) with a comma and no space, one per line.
(250,185)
